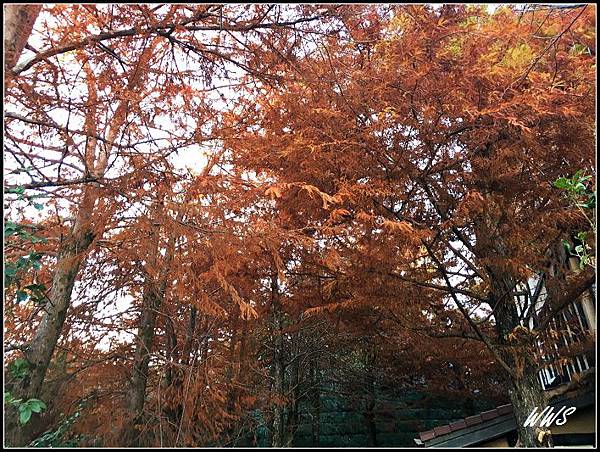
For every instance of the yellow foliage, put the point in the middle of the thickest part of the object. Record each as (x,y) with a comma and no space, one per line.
(518,57)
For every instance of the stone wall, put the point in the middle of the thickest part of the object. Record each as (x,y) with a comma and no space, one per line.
(398,416)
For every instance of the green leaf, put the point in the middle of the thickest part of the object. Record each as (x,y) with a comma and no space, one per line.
(25,414)
(8,398)
(11,228)
(591,201)
(38,206)
(19,368)
(580,188)
(21,296)
(37,406)
(18,190)
(10,269)
(563,182)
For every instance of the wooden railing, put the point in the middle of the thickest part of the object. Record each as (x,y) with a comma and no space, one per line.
(566,347)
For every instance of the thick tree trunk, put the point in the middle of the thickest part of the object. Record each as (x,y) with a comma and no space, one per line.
(517,345)
(526,394)
(41,348)
(18,23)
(525,390)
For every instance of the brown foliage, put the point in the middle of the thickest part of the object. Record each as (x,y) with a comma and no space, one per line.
(306,187)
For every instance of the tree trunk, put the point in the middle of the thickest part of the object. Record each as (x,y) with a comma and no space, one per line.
(518,345)
(41,348)
(151,302)
(188,356)
(154,292)
(370,410)
(18,23)
(187,348)
(294,392)
(231,378)
(171,348)
(525,389)
(526,394)
(242,372)
(70,258)
(316,404)
(278,368)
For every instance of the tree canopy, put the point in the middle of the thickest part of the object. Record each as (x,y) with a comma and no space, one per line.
(208,208)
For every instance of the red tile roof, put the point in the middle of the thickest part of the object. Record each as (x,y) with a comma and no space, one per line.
(458,425)
(467,422)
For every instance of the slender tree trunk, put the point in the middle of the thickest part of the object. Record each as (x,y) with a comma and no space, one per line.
(278,367)
(316,404)
(70,257)
(154,292)
(236,374)
(370,409)
(188,356)
(279,411)
(191,330)
(292,420)
(230,376)
(171,351)
(151,302)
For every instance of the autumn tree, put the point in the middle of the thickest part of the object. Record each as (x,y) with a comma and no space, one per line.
(214,210)
(100,99)
(433,138)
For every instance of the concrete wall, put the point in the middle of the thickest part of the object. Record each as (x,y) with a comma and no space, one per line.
(582,421)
